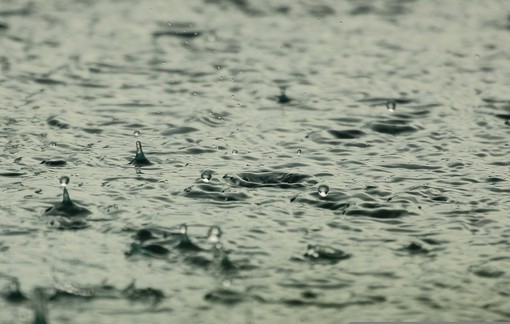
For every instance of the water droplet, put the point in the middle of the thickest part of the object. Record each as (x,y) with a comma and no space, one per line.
(235,152)
(64,181)
(214,234)
(391,105)
(183,229)
(137,133)
(206,176)
(298,152)
(323,190)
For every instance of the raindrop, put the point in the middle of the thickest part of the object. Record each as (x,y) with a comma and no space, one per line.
(323,190)
(169,23)
(391,105)
(64,181)
(235,152)
(137,133)
(214,234)
(298,152)
(206,176)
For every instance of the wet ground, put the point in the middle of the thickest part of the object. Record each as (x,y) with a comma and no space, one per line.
(303,162)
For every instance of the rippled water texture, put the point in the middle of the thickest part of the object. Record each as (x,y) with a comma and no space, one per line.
(399,111)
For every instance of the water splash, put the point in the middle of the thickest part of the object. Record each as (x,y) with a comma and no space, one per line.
(185,243)
(140,159)
(66,208)
(320,252)
(40,307)
(323,190)
(283,98)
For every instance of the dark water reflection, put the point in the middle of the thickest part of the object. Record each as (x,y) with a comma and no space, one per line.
(400,108)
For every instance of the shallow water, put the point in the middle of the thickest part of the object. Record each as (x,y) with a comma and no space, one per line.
(274,99)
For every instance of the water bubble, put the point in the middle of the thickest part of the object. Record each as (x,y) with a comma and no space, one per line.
(137,133)
(183,229)
(206,176)
(391,105)
(235,152)
(323,190)
(64,181)
(214,234)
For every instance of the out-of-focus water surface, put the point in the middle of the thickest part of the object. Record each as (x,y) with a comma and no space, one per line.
(401,108)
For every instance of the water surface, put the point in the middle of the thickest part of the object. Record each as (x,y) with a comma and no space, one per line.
(401,108)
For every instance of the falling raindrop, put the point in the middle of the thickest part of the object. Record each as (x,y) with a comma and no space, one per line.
(323,190)
(391,105)
(64,181)
(206,176)
(137,133)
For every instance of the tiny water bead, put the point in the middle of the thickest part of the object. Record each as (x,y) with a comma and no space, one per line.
(391,105)
(214,234)
(206,176)
(323,190)
(137,133)
(64,181)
